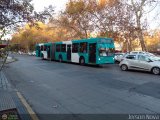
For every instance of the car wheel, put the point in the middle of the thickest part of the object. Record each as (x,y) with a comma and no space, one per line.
(82,61)
(156,70)
(124,67)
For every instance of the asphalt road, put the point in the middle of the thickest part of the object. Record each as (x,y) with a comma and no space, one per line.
(61,88)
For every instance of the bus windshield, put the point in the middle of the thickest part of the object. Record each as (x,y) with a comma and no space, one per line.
(106,51)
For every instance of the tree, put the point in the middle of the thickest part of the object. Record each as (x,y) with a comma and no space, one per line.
(152,40)
(27,37)
(140,8)
(15,12)
(75,18)
(114,19)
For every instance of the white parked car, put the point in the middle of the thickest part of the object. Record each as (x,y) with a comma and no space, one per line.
(137,52)
(140,62)
(140,53)
(34,53)
(19,52)
(29,53)
(118,57)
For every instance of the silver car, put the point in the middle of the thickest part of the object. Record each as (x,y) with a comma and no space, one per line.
(140,62)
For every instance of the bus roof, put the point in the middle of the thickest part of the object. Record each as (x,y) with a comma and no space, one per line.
(80,40)
(91,39)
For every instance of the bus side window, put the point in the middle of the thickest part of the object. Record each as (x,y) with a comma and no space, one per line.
(45,48)
(58,48)
(37,47)
(75,47)
(42,48)
(63,48)
(83,47)
(48,48)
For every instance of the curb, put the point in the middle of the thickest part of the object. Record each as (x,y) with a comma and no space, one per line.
(27,106)
(11,99)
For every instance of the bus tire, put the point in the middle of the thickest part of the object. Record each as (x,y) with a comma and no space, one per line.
(42,57)
(82,61)
(60,58)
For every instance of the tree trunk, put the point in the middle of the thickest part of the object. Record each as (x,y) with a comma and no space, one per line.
(140,34)
(141,39)
(129,45)
(86,35)
(139,13)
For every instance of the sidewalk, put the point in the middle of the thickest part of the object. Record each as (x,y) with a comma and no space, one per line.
(9,60)
(6,101)
(10,105)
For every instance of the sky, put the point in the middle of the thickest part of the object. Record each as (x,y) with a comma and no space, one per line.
(58,4)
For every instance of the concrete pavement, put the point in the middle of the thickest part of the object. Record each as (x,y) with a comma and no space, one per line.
(10,105)
(54,88)
(6,101)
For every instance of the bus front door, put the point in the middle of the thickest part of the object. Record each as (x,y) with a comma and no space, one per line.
(92,53)
(69,52)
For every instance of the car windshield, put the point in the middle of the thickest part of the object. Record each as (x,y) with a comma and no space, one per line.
(124,55)
(153,58)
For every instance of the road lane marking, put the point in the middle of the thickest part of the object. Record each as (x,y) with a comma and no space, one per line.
(27,106)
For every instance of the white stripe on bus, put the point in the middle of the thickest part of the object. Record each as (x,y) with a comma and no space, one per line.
(75,57)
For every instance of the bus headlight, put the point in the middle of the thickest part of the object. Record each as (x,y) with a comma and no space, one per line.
(99,59)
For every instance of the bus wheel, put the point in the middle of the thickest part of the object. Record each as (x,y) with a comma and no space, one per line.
(82,61)
(60,58)
(42,57)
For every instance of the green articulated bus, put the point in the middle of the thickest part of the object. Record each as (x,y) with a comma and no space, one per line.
(44,50)
(86,51)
